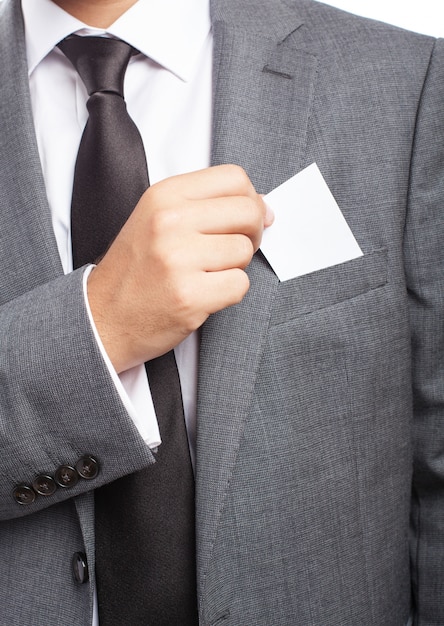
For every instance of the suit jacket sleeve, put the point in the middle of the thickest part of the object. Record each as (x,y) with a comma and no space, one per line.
(424,257)
(57,400)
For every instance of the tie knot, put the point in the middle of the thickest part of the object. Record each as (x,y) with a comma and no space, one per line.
(101,62)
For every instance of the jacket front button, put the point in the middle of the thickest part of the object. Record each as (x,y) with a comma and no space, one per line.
(66,476)
(44,485)
(80,567)
(24,495)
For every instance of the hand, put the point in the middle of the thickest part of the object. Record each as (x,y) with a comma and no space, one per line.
(180,257)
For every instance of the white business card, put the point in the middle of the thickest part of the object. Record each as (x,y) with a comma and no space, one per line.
(309,232)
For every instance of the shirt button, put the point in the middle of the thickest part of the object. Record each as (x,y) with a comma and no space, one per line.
(87,467)
(66,476)
(24,495)
(80,567)
(44,485)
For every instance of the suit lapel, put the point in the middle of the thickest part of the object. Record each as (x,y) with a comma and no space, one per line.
(263,85)
(28,251)
(263,88)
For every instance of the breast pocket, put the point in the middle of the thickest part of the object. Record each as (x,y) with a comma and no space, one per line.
(327,287)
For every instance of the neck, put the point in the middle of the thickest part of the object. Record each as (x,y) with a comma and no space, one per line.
(98,13)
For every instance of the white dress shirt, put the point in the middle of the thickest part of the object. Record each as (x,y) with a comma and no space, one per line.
(168,95)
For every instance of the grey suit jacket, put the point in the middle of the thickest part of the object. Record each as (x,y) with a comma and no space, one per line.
(319,398)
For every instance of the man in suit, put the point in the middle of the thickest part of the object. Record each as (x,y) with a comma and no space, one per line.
(319,398)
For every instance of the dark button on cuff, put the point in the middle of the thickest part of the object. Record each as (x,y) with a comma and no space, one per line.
(44,485)
(80,567)
(66,476)
(87,467)
(23,494)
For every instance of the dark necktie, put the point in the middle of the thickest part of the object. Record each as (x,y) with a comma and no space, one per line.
(145,542)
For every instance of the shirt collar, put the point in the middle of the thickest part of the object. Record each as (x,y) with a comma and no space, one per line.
(170,32)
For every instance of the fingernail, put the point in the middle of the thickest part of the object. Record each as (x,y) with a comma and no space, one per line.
(269,215)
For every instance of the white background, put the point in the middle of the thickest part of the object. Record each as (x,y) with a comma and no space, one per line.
(423,16)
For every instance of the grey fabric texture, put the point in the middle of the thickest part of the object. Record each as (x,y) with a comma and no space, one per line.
(320,398)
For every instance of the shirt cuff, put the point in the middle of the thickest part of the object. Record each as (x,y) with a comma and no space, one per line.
(131,385)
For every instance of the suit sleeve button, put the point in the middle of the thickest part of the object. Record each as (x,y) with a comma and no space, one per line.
(66,476)
(80,567)
(87,467)
(44,485)
(24,495)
